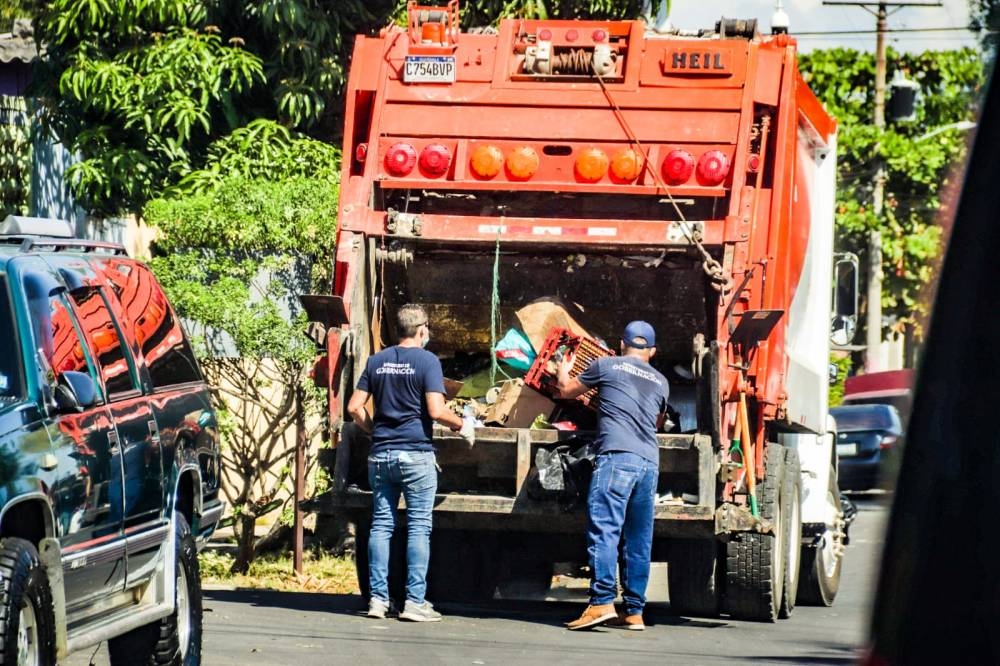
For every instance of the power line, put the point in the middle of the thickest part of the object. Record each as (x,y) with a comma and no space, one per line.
(889,31)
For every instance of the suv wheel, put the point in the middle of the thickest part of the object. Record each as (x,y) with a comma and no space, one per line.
(176,639)
(27,625)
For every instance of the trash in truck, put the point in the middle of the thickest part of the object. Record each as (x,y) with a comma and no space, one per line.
(515,350)
(542,374)
(517,406)
(539,317)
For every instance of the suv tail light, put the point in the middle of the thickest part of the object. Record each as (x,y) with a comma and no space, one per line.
(400,159)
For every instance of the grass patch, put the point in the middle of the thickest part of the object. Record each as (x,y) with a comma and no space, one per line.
(321,572)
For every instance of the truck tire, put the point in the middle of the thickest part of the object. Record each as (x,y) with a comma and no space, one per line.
(463,567)
(755,562)
(27,625)
(792,498)
(694,577)
(820,579)
(176,639)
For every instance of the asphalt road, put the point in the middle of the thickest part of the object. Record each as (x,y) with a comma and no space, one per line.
(274,628)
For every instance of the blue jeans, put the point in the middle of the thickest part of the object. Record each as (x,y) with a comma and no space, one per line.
(620,510)
(414,475)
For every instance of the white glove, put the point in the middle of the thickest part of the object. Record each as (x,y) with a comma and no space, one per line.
(468,431)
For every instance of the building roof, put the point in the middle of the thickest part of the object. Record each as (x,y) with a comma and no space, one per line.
(19,44)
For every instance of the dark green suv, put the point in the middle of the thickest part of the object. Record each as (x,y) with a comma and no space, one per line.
(109,459)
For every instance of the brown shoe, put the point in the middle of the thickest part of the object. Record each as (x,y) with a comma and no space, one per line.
(593,616)
(630,622)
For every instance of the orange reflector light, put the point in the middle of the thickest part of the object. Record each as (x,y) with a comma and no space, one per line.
(713,167)
(627,165)
(435,160)
(432,33)
(400,159)
(592,164)
(678,166)
(522,162)
(486,161)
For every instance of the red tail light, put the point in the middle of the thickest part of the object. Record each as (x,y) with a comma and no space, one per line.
(887,442)
(713,167)
(572,35)
(544,35)
(435,160)
(678,166)
(400,159)
(599,35)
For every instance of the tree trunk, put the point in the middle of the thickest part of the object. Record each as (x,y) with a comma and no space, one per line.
(243,527)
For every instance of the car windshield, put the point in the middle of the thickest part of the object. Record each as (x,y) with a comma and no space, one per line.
(866,417)
(11,369)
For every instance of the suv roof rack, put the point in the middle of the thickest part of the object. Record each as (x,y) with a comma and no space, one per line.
(30,243)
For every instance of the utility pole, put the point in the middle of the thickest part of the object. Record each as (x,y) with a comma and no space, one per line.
(873,318)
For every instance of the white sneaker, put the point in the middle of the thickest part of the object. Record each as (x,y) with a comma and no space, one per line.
(419,612)
(380,608)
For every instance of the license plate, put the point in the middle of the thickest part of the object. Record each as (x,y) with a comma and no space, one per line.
(847,450)
(429,69)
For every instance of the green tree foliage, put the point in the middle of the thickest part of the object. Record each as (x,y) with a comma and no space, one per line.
(138,88)
(918,168)
(236,242)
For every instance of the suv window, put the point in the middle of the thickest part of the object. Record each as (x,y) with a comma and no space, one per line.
(11,370)
(105,343)
(169,357)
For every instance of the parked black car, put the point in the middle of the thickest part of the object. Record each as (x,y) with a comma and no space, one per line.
(869,438)
(109,476)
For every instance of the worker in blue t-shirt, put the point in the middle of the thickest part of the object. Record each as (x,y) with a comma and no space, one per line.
(620,505)
(407,387)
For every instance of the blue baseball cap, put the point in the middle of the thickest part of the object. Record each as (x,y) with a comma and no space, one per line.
(639,335)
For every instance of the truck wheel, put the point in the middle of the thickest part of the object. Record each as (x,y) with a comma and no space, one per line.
(27,625)
(176,639)
(791,499)
(462,566)
(755,562)
(820,578)
(694,577)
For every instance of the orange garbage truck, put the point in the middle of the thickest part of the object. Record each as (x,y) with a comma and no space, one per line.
(685,178)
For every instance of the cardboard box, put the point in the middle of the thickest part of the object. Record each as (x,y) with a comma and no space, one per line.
(539,317)
(518,405)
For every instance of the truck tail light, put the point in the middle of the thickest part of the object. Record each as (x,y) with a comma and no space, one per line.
(361,152)
(486,161)
(627,165)
(599,35)
(400,159)
(592,164)
(572,35)
(678,166)
(753,163)
(522,163)
(713,167)
(887,442)
(544,35)
(435,160)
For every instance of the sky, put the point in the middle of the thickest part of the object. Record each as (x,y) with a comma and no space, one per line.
(812,16)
